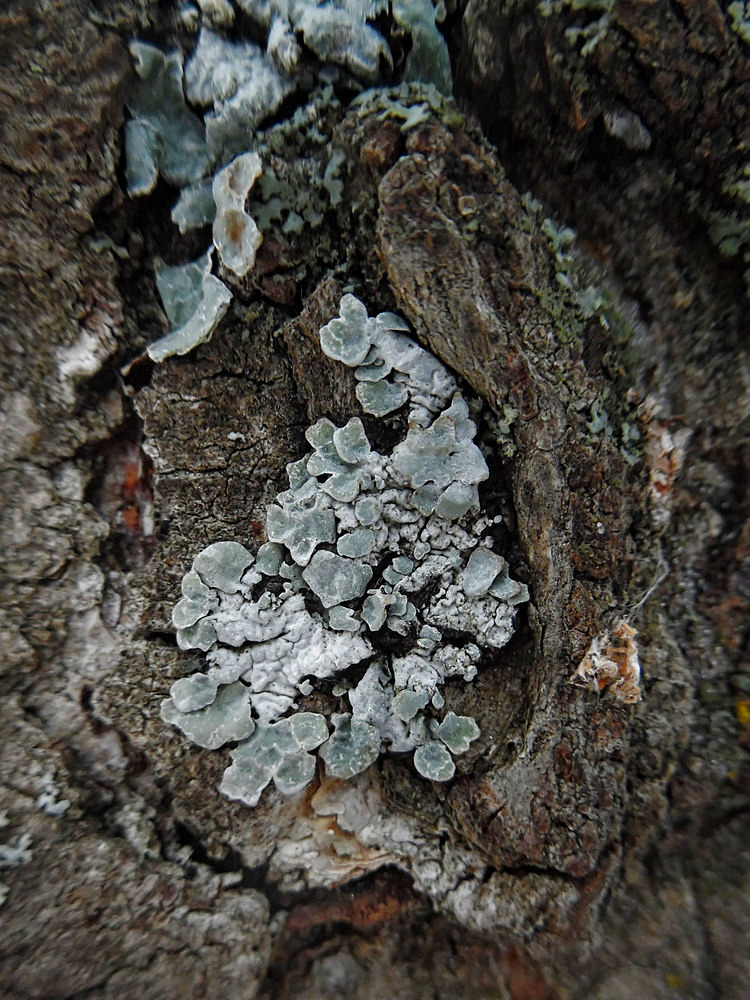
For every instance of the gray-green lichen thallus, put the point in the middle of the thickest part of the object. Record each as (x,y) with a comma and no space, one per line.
(361,545)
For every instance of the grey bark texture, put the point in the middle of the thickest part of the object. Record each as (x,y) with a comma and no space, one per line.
(588,846)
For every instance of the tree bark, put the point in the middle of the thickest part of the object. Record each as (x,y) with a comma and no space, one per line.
(590,844)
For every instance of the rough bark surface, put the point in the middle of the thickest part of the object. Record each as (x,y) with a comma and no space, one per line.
(587,847)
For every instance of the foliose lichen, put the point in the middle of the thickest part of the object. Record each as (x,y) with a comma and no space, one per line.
(378,583)
(195,302)
(237,86)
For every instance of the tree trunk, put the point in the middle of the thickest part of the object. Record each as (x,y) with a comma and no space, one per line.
(591,843)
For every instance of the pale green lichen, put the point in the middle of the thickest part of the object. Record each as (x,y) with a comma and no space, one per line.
(361,545)
(195,302)
(300,528)
(163,136)
(195,207)
(347,337)
(433,761)
(410,104)
(340,35)
(239,86)
(457,732)
(482,569)
(352,748)
(428,60)
(226,719)
(190,694)
(356,544)
(335,579)
(222,566)
(407,703)
(277,752)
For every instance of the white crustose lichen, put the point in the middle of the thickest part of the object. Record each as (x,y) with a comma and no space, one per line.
(362,546)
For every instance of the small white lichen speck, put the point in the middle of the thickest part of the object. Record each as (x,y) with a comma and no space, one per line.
(368,553)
